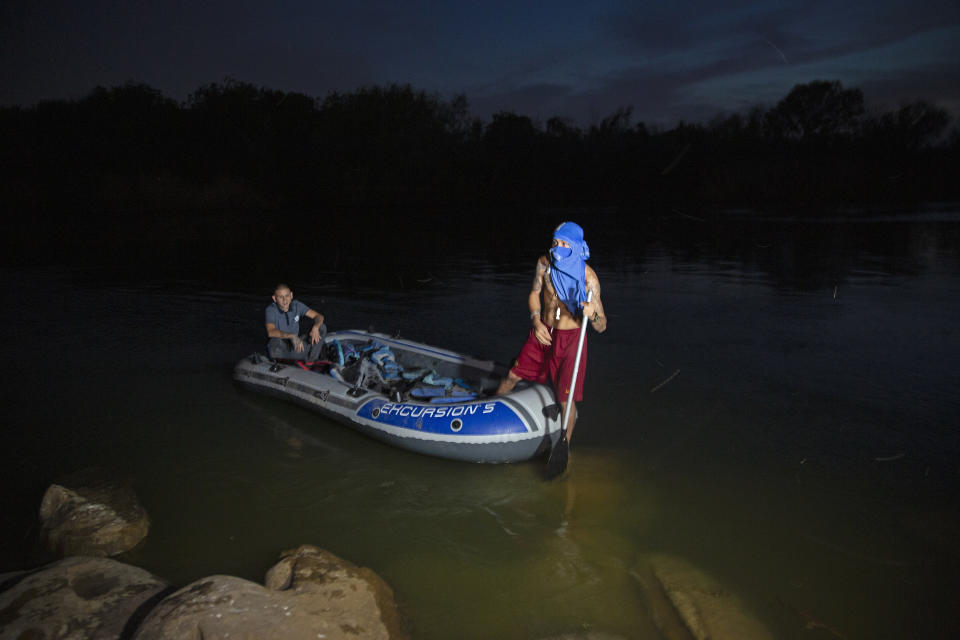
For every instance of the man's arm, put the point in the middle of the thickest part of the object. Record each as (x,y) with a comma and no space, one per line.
(315,329)
(541,330)
(593,310)
(273,332)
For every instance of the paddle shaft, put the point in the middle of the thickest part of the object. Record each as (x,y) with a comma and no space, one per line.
(576,368)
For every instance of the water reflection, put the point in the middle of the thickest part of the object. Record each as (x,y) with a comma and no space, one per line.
(772,411)
(533,559)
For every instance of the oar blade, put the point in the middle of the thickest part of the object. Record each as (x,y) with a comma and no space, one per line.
(559,455)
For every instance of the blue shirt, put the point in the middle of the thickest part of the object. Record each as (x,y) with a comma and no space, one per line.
(288,322)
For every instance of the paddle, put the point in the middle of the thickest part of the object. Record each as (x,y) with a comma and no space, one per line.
(557,462)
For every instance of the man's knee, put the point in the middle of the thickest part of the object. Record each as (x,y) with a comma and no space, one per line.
(316,351)
(277,348)
(508,382)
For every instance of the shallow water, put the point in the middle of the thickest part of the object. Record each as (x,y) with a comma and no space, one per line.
(777,407)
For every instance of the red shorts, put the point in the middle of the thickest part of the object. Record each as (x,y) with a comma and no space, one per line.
(538,363)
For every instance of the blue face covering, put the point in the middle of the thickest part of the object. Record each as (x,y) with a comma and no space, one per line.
(568,266)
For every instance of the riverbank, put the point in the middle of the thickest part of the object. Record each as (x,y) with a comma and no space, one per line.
(309,593)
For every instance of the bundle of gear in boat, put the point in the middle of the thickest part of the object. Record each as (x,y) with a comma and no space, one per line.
(373,366)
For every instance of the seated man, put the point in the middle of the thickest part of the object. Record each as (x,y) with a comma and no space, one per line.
(283,328)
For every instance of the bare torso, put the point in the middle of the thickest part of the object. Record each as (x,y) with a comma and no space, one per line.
(550,301)
(547,313)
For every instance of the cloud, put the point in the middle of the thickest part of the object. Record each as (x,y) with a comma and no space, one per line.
(687,59)
(693,60)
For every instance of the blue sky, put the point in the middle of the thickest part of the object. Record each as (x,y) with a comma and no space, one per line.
(678,60)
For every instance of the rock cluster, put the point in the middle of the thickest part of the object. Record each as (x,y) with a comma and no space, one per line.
(686,603)
(91,514)
(310,593)
(77,598)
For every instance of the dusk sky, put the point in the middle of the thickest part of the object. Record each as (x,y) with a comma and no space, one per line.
(679,60)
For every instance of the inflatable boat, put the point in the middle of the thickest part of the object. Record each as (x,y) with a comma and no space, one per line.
(414,396)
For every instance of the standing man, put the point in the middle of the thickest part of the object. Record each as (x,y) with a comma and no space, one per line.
(283,318)
(560,287)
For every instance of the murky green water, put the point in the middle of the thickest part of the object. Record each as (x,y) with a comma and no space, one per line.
(775,409)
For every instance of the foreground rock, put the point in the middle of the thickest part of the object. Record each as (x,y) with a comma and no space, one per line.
(76,598)
(586,635)
(310,593)
(687,603)
(91,514)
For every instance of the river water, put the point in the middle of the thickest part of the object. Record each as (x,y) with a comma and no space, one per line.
(774,405)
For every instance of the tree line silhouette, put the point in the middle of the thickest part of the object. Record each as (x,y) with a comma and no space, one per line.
(130,166)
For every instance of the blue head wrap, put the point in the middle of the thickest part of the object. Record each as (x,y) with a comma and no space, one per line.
(568,266)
